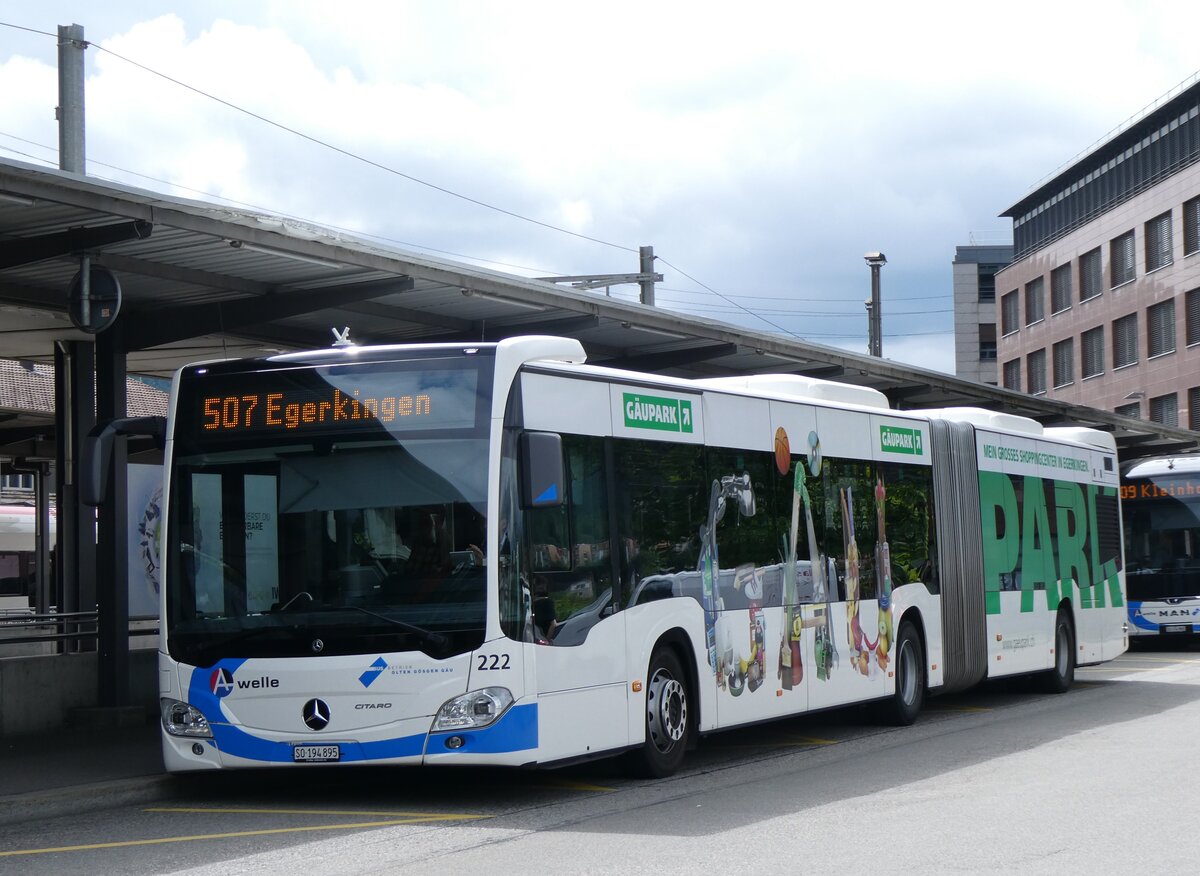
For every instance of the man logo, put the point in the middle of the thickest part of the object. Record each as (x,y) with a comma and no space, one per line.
(373,672)
(221,682)
(315,714)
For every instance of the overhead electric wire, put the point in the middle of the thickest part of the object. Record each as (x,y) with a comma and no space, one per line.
(372,163)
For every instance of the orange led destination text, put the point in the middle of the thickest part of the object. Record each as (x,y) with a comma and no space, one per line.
(273,410)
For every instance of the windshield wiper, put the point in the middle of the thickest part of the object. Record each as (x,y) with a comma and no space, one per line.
(435,639)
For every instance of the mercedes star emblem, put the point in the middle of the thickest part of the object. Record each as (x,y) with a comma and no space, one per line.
(318,646)
(316,714)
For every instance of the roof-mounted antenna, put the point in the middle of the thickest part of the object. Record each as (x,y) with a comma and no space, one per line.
(342,338)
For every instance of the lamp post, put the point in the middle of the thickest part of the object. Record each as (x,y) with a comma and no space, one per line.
(874,312)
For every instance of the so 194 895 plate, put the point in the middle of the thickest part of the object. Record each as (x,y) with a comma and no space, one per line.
(316,753)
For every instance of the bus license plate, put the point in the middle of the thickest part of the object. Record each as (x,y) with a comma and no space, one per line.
(1176,628)
(316,753)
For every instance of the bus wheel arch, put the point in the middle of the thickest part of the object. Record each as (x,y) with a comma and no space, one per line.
(670,708)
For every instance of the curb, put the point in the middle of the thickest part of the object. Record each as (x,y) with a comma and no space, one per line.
(79,799)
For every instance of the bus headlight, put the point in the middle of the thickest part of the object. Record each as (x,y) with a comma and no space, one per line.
(183,719)
(471,710)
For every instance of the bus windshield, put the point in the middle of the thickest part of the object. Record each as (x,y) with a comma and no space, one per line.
(342,537)
(1162,536)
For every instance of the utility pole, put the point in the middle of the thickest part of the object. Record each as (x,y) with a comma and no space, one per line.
(646,266)
(876,260)
(71,139)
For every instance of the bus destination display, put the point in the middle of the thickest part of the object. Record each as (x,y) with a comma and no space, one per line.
(265,403)
(1176,487)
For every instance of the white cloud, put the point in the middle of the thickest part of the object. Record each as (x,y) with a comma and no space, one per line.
(761,150)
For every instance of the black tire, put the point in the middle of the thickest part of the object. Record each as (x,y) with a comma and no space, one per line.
(904,706)
(668,717)
(1060,678)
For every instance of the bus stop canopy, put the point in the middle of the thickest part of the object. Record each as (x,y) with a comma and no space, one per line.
(204,281)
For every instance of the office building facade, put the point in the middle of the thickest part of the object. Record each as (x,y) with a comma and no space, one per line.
(1101,304)
(975,269)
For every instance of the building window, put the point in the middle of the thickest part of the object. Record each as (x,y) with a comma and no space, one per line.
(1194,408)
(1035,301)
(1035,367)
(1121,258)
(1010,312)
(1064,362)
(987,341)
(1191,226)
(1158,242)
(1125,341)
(1012,375)
(1092,349)
(1165,409)
(1192,317)
(1160,328)
(987,282)
(1090,275)
(1060,289)
(1131,410)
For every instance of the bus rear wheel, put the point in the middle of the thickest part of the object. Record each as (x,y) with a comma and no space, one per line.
(1060,678)
(909,695)
(668,722)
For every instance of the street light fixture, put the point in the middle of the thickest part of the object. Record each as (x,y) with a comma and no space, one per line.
(876,260)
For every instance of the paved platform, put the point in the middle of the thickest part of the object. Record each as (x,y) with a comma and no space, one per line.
(48,775)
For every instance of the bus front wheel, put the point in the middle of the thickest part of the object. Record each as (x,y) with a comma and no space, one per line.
(667,719)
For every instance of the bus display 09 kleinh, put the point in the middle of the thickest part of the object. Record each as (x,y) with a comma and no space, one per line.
(497,554)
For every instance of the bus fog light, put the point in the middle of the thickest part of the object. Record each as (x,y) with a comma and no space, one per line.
(478,708)
(182,719)
(454,742)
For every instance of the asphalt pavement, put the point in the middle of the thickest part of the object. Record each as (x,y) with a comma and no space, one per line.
(107,759)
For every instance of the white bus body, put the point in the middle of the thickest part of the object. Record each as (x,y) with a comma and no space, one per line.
(716,553)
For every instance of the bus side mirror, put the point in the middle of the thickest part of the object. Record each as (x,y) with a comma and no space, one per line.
(541,470)
(98,452)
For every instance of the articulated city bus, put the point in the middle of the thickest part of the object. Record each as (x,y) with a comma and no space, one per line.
(1161,503)
(497,554)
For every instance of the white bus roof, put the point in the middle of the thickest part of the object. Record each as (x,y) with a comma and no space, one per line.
(1165,465)
(986,419)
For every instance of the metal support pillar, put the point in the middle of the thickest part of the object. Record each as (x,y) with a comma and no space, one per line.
(74,416)
(112,556)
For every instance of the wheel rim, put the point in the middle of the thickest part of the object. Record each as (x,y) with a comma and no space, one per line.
(666,711)
(908,673)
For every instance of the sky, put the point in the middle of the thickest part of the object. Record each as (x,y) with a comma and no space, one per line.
(761,152)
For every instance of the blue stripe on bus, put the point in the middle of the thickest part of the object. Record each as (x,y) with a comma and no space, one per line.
(1135,618)
(517,730)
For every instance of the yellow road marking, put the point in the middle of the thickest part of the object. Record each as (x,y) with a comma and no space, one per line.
(958,709)
(567,785)
(784,743)
(1132,657)
(448,816)
(124,844)
(813,740)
